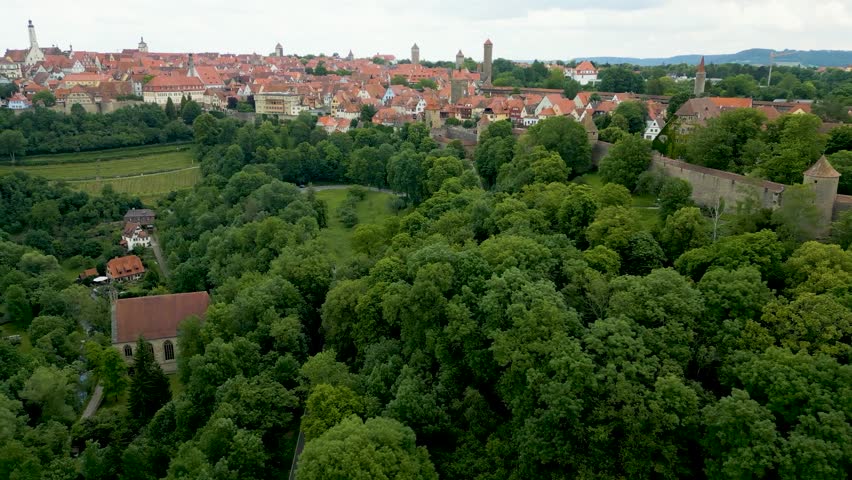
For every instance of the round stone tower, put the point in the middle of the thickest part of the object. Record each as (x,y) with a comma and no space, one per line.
(488,53)
(415,55)
(824,180)
(459,60)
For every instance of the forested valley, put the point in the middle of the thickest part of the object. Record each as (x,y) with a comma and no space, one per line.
(513,319)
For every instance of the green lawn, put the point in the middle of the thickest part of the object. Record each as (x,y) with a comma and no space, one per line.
(174,384)
(373,209)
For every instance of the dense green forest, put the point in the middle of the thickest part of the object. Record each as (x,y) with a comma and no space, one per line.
(514,319)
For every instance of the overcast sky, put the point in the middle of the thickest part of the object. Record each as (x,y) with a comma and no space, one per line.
(520,29)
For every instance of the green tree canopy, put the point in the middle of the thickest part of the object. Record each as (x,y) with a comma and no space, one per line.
(377,448)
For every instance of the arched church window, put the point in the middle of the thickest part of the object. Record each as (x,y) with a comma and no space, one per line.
(169,350)
(128,351)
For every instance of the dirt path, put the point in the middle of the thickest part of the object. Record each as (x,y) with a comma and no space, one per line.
(158,252)
(320,188)
(94,402)
(121,177)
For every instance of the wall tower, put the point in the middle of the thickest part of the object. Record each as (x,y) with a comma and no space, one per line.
(415,55)
(488,52)
(459,60)
(700,78)
(824,180)
(279,50)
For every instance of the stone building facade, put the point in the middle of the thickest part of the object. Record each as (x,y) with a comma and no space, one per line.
(155,319)
(709,185)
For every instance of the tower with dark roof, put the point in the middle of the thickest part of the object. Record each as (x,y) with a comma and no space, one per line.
(415,55)
(459,60)
(823,180)
(191,71)
(35,53)
(279,50)
(487,58)
(143,47)
(700,78)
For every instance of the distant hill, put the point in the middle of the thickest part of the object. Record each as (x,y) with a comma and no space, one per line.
(754,56)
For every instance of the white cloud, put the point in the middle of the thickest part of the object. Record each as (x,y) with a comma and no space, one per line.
(521,30)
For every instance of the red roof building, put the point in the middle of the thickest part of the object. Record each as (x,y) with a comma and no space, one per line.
(125,268)
(157,316)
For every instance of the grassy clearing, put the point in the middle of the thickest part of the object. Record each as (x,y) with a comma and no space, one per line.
(8,329)
(145,186)
(108,168)
(373,209)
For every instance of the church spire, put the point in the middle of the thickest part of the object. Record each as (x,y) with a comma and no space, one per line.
(191,71)
(700,78)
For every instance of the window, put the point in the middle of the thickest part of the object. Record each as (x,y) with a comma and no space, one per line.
(169,350)
(149,347)
(128,351)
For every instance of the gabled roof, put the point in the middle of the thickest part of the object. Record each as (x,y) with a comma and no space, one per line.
(156,316)
(731,102)
(822,169)
(585,65)
(121,267)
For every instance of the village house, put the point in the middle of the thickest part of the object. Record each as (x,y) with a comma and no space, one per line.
(19,102)
(155,319)
(143,216)
(134,236)
(125,269)
(584,73)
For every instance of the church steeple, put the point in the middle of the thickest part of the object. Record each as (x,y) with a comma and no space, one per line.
(700,78)
(35,54)
(191,71)
(143,47)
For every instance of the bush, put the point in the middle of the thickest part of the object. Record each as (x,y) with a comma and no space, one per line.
(347,215)
(356,194)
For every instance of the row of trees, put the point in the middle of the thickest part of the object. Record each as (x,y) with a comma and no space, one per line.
(743,141)
(43,130)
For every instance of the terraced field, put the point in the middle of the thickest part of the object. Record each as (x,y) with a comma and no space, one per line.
(147,172)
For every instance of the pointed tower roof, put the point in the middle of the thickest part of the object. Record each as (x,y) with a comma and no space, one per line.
(488,42)
(415,46)
(822,169)
(701,65)
(460,54)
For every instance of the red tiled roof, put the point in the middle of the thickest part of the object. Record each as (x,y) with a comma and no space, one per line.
(157,316)
(731,102)
(89,273)
(125,266)
(822,169)
(165,82)
(585,65)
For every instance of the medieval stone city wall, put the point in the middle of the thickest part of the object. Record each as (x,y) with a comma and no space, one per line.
(708,184)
